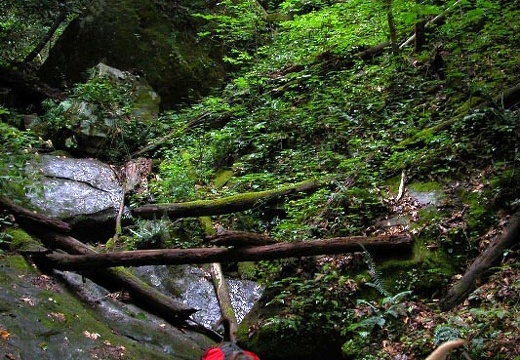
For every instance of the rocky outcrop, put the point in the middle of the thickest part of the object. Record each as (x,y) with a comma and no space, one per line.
(106,118)
(140,36)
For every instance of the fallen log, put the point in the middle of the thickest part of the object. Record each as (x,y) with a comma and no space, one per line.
(226,205)
(224,300)
(239,239)
(376,245)
(462,288)
(29,219)
(506,99)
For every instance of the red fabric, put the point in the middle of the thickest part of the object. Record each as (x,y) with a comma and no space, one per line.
(213,354)
(217,354)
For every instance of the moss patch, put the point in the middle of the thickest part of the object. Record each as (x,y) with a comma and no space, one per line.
(427,270)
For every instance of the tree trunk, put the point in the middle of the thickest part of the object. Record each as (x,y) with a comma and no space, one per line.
(377,245)
(420,36)
(489,257)
(225,205)
(392,31)
(32,55)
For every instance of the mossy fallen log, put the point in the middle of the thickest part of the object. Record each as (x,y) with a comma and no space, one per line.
(226,205)
(482,263)
(376,245)
(115,279)
(506,99)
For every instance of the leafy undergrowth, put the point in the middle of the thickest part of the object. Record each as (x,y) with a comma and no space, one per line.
(304,105)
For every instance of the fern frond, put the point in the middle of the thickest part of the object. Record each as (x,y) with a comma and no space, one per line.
(444,333)
(377,280)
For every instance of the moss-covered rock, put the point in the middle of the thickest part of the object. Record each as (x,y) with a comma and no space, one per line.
(23,242)
(41,319)
(140,36)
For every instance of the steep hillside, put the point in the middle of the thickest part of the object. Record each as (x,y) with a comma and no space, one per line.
(416,137)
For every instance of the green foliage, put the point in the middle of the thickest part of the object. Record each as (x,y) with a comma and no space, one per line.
(321,301)
(175,182)
(377,313)
(149,234)
(24,23)
(102,107)
(444,333)
(377,280)
(15,152)
(302,106)
(237,25)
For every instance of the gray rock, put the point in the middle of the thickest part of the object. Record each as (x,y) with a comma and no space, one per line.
(85,192)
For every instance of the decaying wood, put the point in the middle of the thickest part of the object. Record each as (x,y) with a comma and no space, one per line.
(402,185)
(482,263)
(240,239)
(430,23)
(230,204)
(224,301)
(378,245)
(228,317)
(30,219)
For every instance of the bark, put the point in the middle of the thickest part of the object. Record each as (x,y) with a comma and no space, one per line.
(57,22)
(225,205)
(30,219)
(376,245)
(240,239)
(392,31)
(114,279)
(420,36)
(482,263)
(224,301)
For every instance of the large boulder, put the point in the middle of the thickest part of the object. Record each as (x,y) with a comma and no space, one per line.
(105,118)
(156,39)
(84,192)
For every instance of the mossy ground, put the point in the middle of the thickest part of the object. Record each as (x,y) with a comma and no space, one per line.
(42,319)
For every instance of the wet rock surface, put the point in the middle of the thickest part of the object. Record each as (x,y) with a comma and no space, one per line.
(192,286)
